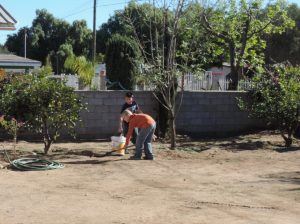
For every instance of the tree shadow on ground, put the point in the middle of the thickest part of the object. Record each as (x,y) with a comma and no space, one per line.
(78,154)
(233,145)
(64,154)
(287,177)
(243,146)
(244,142)
(287,149)
(84,162)
(193,147)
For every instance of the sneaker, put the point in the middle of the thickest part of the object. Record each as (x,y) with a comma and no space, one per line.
(126,151)
(145,158)
(134,158)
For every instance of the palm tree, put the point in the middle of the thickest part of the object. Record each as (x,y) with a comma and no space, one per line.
(81,66)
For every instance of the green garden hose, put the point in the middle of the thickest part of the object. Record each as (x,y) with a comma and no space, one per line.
(28,164)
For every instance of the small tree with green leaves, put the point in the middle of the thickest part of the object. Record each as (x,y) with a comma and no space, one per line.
(275,98)
(56,106)
(46,106)
(11,126)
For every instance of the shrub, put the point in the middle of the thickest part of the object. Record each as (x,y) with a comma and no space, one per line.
(122,61)
(275,98)
(45,105)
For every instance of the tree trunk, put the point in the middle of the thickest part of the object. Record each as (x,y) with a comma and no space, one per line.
(234,79)
(288,139)
(233,68)
(47,138)
(47,145)
(172,130)
(163,125)
(15,144)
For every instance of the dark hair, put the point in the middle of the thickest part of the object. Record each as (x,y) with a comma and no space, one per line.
(129,94)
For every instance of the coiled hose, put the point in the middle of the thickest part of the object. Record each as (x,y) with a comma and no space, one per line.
(27,164)
(32,164)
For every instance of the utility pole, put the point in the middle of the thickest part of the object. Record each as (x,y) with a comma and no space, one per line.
(25,40)
(94,32)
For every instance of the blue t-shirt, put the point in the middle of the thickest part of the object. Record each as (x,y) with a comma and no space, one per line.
(132,107)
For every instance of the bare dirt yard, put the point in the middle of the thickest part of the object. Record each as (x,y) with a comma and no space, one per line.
(248,179)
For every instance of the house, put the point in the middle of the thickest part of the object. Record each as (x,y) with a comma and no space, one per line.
(7,22)
(220,72)
(16,64)
(219,76)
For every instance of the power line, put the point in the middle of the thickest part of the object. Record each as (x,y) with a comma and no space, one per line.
(83,4)
(75,10)
(119,3)
(78,12)
(103,5)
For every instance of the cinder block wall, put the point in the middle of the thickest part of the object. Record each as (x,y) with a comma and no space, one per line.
(202,114)
(213,114)
(101,120)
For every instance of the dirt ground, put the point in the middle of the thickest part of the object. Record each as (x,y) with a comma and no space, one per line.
(249,179)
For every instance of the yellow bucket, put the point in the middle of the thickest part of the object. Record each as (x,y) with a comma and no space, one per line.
(118,143)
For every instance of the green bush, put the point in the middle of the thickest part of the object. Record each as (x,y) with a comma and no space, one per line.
(45,105)
(275,98)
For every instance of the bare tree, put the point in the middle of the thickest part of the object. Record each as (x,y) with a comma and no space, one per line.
(159,48)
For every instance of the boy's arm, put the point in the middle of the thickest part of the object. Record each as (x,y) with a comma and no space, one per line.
(120,125)
(129,133)
(120,129)
(138,110)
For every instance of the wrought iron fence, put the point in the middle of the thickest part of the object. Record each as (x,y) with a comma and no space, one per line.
(189,82)
(207,81)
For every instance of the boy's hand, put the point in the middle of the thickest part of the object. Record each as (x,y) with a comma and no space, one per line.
(120,130)
(154,137)
(125,149)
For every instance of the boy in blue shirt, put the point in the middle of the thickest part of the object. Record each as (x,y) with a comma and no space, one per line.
(131,105)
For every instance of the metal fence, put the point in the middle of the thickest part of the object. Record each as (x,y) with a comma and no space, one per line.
(73,81)
(189,82)
(207,81)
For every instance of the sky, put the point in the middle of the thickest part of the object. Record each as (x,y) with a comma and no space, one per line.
(69,10)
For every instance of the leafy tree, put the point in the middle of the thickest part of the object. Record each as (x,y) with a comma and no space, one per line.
(15,99)
(239,25)
(3,49)
(285,46)
(15,42)
(45,105)
(196,50)
(81,66)
(137,15)
(12,126)
(49,36)
(80,37)
(114,25)
(64,51)
(275,98)
(122,60)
